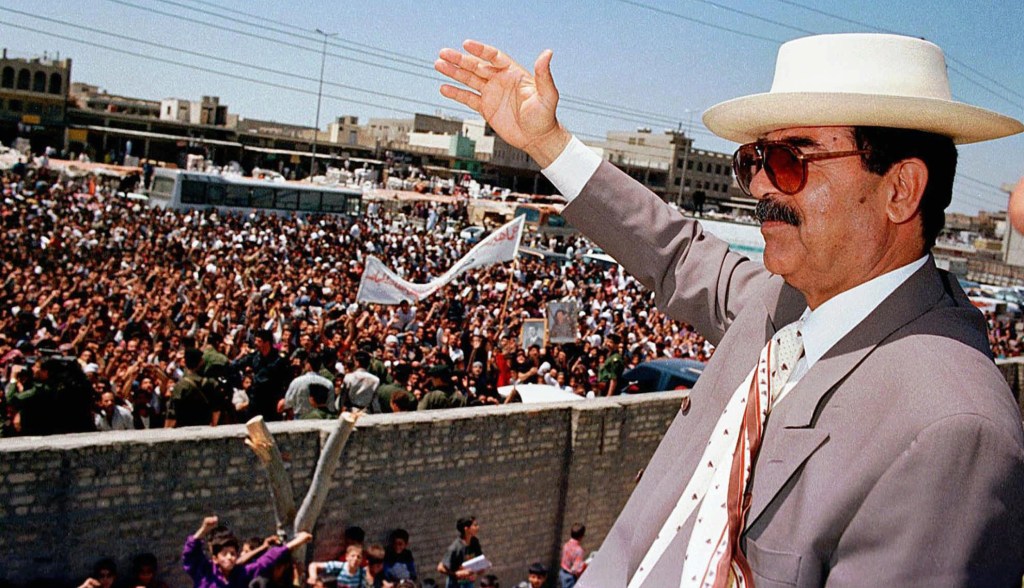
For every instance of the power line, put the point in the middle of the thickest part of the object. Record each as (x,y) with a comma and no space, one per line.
(992,187)
(755,17)
(698,21)
(201,68)
(444,106)
(668,119)
(618,114)
(224,59)
(246,78)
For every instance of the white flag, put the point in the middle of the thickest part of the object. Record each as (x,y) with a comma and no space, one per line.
(382,286)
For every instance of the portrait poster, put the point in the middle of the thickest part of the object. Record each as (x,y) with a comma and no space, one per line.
(533,333)
(562,324)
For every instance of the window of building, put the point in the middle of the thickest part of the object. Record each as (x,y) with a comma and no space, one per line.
(39,82)
(700,166)
(714,187)
(24,78)
(687,184)
(689,165)
(14,106)
(632,140)
(8,77)
(55,83)
(35,108)
(640,141)
(677,181)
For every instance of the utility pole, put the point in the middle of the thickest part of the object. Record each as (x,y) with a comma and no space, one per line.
(319,96)
(686,157)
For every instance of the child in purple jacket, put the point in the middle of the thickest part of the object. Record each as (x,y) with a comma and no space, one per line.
(221,572)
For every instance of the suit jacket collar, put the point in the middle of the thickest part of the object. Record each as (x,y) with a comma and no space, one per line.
(790,436)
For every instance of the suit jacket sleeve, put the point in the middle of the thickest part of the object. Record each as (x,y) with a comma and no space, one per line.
(693,274)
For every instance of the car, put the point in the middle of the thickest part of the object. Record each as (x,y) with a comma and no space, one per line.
(472,234)
(659,375)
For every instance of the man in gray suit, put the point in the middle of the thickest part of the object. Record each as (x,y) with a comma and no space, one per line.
(888,450)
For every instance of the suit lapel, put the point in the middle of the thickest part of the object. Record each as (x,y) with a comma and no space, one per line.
(790,436)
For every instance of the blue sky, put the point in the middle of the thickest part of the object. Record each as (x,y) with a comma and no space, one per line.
(649,63)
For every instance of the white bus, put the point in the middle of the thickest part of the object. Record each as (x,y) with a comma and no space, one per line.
(180,189)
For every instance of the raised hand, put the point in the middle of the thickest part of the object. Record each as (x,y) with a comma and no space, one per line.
(1016,211)
(520,107)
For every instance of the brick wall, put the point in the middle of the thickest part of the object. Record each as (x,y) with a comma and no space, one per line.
(526,472)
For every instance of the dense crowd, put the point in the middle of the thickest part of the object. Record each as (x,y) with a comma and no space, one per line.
(139,317)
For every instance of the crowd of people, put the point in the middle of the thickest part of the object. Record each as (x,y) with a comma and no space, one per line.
(139,317)
(215,556)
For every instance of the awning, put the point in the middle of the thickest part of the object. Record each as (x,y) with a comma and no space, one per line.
(364,160)
(292,152)
(151,135)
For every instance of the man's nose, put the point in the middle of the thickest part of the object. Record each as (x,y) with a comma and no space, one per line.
(760,185)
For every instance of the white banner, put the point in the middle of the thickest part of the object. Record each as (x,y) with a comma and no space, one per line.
(380,285)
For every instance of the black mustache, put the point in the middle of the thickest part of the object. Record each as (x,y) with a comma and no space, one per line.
(768,209)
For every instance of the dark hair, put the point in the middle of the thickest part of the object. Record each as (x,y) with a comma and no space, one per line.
(398,534)
(404,400)
(316,361)
(489,581)
(318,392)
(143,560)
(264,335)
(578,531)
(538,569)
(401,371)
(107,564)
(464,523)
(355,533)
(887,146)
(363,359)
(193,358)
(223,541)
(614,338)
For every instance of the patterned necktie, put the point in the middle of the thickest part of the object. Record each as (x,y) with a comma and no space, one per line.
(718,488)
(714,544)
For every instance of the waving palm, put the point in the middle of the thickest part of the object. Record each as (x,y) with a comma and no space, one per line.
(519,107)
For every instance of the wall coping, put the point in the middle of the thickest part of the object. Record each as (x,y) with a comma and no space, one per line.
(74,441)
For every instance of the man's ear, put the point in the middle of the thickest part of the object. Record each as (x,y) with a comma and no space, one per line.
(905,182)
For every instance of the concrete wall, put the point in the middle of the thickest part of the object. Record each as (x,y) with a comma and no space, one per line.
(526,472)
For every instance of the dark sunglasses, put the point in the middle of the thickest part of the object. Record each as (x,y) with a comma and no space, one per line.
(785,166)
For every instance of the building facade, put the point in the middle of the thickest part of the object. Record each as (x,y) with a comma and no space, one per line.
(669,165)
(33,99)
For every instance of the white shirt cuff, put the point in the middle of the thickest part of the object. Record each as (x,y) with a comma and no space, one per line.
(572,169)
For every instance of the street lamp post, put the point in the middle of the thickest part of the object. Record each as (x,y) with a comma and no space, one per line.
(686,157)
(319,96)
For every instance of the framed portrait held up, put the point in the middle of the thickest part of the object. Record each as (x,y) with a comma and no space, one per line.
(533,333)
(562,324)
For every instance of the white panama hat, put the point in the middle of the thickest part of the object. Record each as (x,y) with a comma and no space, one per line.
(858,80)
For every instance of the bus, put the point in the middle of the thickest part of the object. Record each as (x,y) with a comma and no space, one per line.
(180,189)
